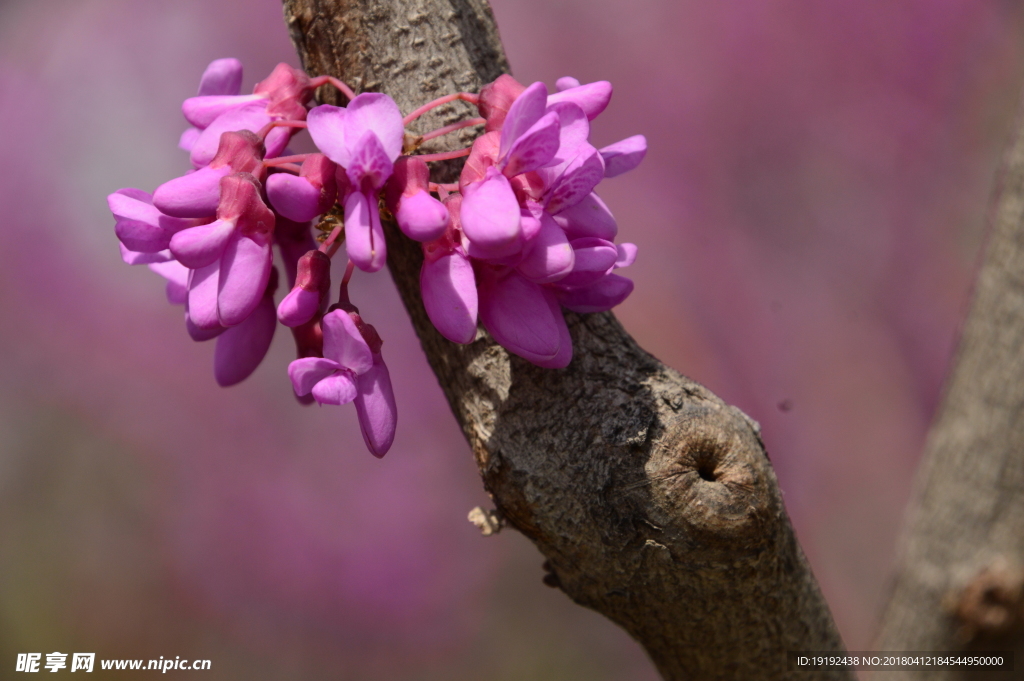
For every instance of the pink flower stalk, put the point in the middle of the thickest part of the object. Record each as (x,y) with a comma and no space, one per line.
(351,370)
(364,138)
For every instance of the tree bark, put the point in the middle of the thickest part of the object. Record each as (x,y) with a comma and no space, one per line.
(961,581)
(653,501)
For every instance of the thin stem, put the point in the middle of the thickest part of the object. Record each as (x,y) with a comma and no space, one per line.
(331,244)
(262,134)
(464,96)
(340,85)
(445,155)
(290,167)
(446,188)
(348,273)
(278,160)
(452,128)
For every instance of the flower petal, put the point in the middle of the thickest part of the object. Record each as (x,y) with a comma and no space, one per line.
(201,335)
(627,255)
(328,126)
(197,247)
(594,259)
(298,307)
(203,110)
(421,216)
(566,82)
(548,256)
(577,181)
(604,294)
(369,165)
(490,212)
(338,388)
(522,316)
(376,409)
(534,148)
(308,371)
(139,225)
(293,197)
(524,112)
(592,97)
(344,344)
(194,195)
(377,113)
(624,155)
(202,297)
(131,257)
(188,139)
(221,77)
(244,273)
(176,275)
(364,236)
(449,294)
(241,348)
(589,217)
(252,116)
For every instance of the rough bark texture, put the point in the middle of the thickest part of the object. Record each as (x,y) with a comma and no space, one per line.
(961,584)
(652,500)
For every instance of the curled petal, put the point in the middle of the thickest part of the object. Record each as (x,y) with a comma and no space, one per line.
(188,139)
(308,371)
(449,294)
(627,255)
(592,97)
(421,216)
(524,112)
(604,294)
(548,256)
(364,236)
(490,212)
(252,117)
(375,407)
(194,195)
(202,297)
(293,197)
(534,148)
(589,217)
(523,317)
(199,246)
(344,344)
(221,77)
(244,273)
(624,155)
(176,275)
(577,181)
(203,110)
(594,259)
(139,225)
(483,155)
(338,388)
(277,140)
(573,132)
(241,348)
(496,98)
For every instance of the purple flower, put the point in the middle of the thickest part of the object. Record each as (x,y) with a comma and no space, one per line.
(351,370)
(302,197)
(313,279)
(365,138)
(419,215)
(447,282)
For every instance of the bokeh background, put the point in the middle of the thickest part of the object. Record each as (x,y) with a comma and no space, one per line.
(809,218)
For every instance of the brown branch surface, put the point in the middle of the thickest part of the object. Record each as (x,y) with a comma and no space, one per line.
(652,500)
(961,583)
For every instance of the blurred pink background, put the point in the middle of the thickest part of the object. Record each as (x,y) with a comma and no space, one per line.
(809,220)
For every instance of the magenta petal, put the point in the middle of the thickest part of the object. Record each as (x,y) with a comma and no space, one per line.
(201,335)
(524,112)
(589,217)
(344,344)
(369,166)
(131,257)
(564,354)
(298,307)
(176,275)
(566,82)
(241,348)
(377,113)
(328,126)
(523,317)
(627,255)
(594,259)
(573,132)
(577,181)
(202,297)
(293,197)
(277,141)
(203,110)
(421,216)
(534,148)
(197,247)
(375,407)
(188,139)
(221,77)
(604,294)
(244,272)
(624,155)
(548,256)
(252,116)
(338,388)
(308,371)
(592,97)
(194,195)
(139,225)
(364,236)
(449,295)
(490,212)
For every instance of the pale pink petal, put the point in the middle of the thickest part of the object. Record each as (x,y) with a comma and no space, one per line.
(490,212)
(369,166)
(624,155)
(194,195)
(421,216)
(523,317)
(449,295)
(364,236)
(588,217)
(221,77)
(308,371)
(138,224)
(244,272)
(293,197)
(594,259)
(627,255)
(534,148)
(377,113)
(566,82)
(298,307)
(202,297)
(188,139)
(573,132)
(176,275)
(604,294)
(548,256)
(277,141)
(524,112)
(252,116)
(203,110)
(376,409)
(577,181)
(344,344)
(241,348)
(592,97)
(131,257)
(328,126)
(338,388)
(197,247)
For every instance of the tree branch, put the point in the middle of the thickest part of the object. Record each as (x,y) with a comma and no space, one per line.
(653,501)
(961,582)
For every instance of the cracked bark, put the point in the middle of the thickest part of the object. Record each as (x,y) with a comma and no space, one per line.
(961,582)
(653,501)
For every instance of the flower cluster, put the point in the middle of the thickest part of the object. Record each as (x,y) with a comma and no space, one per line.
(519,236)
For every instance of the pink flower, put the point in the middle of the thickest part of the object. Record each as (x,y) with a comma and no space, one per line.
(351,370)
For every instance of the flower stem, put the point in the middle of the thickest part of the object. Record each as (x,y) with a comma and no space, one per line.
(323,80)
(265,130)
(452,128)
(445,155)
(464,96)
